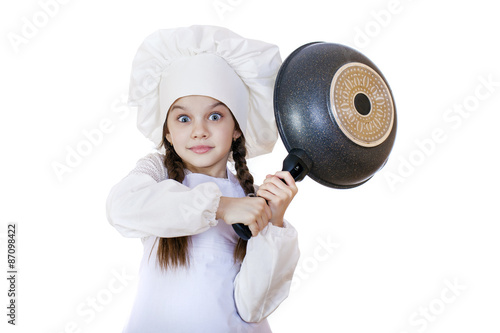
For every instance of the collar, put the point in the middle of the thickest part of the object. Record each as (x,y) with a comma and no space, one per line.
(231,178)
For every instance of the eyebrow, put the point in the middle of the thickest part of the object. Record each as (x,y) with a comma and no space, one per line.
(217,104)
(176,106)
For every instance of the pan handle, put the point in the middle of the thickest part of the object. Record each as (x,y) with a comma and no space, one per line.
(298,164)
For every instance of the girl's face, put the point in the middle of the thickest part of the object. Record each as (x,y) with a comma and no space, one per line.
(201,129)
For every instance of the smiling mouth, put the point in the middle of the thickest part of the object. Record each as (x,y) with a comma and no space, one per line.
(200,149)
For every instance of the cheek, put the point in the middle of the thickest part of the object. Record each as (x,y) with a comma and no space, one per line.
(226,136)
(175,136)
(177,139)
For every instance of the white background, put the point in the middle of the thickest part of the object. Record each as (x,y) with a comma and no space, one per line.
(394,246)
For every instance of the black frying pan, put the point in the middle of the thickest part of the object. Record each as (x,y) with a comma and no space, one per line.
(335,114)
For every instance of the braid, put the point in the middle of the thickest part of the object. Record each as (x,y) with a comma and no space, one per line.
(240,163)
(173,163)
(246,181)
(173,251)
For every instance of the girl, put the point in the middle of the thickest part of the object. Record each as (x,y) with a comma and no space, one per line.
(204,94)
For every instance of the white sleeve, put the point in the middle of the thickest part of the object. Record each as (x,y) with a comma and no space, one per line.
(266,273)
(145,203)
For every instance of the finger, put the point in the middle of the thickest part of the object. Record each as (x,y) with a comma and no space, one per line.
(254,228)
(261,214)
(264,219)
(279,189)
(286,176)
(290,182)
(274,184)
(276,199)
(269,213)
(267,195)
(260,223)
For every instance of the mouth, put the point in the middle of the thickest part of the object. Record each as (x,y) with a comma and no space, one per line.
(200,149)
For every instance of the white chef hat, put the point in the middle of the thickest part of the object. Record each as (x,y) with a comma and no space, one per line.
(208,61)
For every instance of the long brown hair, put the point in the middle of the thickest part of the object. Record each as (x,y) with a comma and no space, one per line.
(173,252)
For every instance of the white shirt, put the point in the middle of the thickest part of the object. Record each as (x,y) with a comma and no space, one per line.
(213,294)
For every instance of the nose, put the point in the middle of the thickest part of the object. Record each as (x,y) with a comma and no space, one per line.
(199,130)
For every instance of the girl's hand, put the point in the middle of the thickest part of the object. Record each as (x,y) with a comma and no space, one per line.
(278,194)
(251,211)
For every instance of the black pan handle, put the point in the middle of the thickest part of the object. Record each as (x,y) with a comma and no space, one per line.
(298,164)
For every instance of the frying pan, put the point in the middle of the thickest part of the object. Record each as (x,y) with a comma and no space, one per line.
(335,114)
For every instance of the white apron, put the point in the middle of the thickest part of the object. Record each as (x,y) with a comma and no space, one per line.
(199,298)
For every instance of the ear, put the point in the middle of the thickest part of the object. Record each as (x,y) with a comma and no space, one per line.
(169,137)
(236,134)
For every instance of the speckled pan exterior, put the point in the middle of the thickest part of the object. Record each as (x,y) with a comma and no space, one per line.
(305,120)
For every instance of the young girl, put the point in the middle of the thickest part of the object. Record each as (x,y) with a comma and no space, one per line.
(204,95)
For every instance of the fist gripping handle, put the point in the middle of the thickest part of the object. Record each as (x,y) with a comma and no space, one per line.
(298,164)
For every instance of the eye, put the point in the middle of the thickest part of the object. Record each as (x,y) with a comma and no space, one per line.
(183,119)
(215,116)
